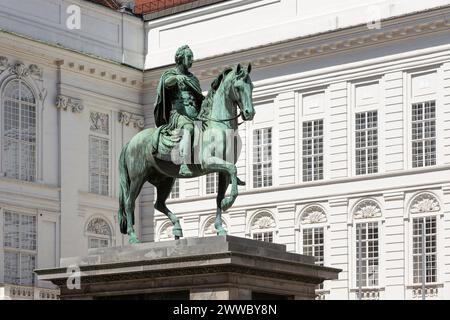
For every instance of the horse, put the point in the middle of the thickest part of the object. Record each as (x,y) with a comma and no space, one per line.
(231,90)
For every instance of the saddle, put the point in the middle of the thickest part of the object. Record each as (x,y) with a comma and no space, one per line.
(166,139)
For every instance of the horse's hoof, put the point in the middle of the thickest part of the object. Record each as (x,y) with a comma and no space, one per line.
(177,233)
(222,232)
(133,240)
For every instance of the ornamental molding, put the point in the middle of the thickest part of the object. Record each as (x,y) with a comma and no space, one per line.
(68,103)
(424,203)
(128,118)
(305,47)
(263,220)
(166,232)
(367,209)
(210,229)
(99,226)
(313,214)
(99,122)
(19,69)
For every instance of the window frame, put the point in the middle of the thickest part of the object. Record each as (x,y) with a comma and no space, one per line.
(91,235)
(353,288)
(3,249)
(302,157)
(38,94)
(409,100)
(251,154)
(107,137)
(408,246)
(353,109)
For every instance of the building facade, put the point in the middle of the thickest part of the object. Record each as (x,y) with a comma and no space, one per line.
(347,158)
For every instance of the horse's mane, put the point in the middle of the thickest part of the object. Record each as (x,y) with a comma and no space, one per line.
(208,101)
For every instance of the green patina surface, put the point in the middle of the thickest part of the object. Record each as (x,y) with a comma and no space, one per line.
(195,135)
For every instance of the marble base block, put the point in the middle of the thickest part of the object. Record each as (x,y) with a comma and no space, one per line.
(222,268)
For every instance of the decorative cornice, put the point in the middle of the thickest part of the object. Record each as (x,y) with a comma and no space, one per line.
(68,103)
(392,196)
(332,42)
(19,69)
(128,118)
(94,71)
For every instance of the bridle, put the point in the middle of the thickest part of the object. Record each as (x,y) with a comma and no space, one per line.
(228,119)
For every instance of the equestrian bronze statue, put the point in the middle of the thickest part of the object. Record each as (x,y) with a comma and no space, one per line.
(195,136)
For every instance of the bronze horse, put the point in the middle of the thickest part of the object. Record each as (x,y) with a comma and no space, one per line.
(218,115)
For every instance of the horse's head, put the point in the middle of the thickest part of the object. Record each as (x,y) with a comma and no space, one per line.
(241,90)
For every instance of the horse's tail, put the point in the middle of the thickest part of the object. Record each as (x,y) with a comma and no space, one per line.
(124,185)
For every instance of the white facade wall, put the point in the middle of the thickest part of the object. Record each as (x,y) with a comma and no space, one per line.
(60,197)
(323,82)
(330,76)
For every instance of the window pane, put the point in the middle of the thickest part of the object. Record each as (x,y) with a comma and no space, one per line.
(366,142)
(423,135)
(312,150)
(99,165)
(367,254)
(262,157)
(19,131)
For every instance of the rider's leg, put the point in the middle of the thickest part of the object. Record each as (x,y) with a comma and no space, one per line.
(185,150)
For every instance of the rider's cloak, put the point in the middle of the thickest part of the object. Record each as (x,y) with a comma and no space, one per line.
(163,106)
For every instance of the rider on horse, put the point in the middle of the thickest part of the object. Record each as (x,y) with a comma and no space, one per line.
(179,98)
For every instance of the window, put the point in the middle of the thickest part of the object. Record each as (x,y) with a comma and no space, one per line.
(367,254)
(366,142)
(20,242)
(19,131)
(313,150)
(262,158)
(423,134)
(313,243)
(424,229)
(99,233)
(212,183)
(175,193)
(262,227)
(99,153)
(263,236)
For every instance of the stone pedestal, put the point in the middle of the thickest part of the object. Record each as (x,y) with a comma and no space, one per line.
(222,267)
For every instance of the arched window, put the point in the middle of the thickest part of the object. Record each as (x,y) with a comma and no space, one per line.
(263,226)
(312,220)
(209,230)
(424,211)
(165,232)
(366,216)
(19,131)
(99,233)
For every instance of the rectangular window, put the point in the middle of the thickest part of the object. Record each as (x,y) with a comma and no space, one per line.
(424,229)
(262,158)
(313,245)
(99,153)
(423,134)
(175,193)
(313,150)
(20,241)
(98,243)
(263,236)
(212,183)
(366,142)
(367,254)
(99,165)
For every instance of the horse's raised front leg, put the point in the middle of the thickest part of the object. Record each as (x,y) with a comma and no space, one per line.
(223,185)
(220,165)
(163,190)
(135,188)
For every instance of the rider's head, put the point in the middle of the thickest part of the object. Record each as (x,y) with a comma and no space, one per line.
(184,56)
